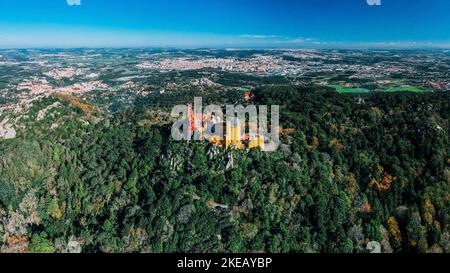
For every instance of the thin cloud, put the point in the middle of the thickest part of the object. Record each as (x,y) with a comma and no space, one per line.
(277,39)
(74,2)
(298,40)
(253,36)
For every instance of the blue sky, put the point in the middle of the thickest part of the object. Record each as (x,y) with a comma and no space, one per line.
(224,23)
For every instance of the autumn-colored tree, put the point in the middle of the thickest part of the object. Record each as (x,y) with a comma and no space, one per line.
(75,102)
(429,211)
(366,207)
(386,180)
(337,143)
(53,209)
(314,143)
(394,232)
(287,131)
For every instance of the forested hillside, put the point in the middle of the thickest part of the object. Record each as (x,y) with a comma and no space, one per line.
(354,170)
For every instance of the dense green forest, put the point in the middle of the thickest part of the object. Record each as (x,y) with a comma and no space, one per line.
(354,170)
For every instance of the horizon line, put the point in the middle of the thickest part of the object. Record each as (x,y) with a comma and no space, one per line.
(231,47)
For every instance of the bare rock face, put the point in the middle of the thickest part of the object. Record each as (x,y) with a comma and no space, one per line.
(6,130)
(42,113)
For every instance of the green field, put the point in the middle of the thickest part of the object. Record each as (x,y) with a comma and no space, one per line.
(405,89)
(344,90)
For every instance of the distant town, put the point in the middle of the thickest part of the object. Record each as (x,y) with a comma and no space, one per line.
(80,72)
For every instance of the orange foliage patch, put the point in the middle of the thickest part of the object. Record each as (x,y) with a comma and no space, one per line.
(14,240)
(75,102)
(367,208)
(15,244)
(386,181)
(287,131)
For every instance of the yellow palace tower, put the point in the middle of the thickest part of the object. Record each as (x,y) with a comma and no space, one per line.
(234,134)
